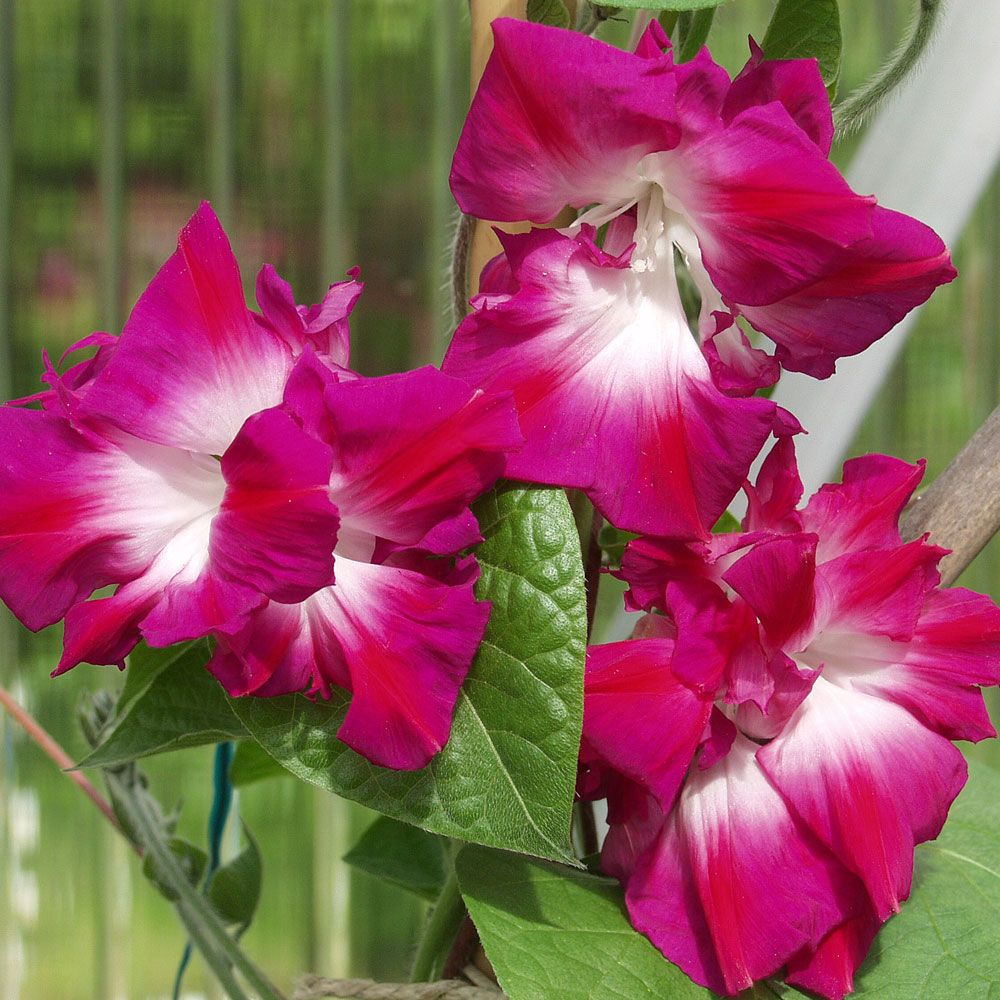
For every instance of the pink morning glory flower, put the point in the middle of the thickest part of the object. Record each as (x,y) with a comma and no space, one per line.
(399,625)
(729,179)
(228,475)
(775,744)
(151,468)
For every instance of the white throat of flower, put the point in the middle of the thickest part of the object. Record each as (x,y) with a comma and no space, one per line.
(661,225)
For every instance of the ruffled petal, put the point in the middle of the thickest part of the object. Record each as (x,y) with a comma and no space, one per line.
(936,674)
(862,511)
(410,452)
(869,780)
(408,641)
(283,649)
(875,592)
(401,640)
(192,362)
(181,596)
(796,83)
(859,300)
(739,369)
(773,500)
(829,970)
(735,885)
(613,395)
(641,718)
(325,326)
(771,213)
(277,527)
(777,579)
(560,118)
(81,511)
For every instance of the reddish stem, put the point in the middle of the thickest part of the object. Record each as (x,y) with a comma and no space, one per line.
(61,759)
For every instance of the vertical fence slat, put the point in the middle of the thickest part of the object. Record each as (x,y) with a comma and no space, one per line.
(221,141)
(6,193)
(11,941)
(334,240)
(448,104)
(113,955)
(332,815)
(111,165)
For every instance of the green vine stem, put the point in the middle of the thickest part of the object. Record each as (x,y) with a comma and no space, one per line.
(458,279)
(853,110)
(442,928)
(203,925)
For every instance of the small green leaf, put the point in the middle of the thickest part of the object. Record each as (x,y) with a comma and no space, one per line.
(401,854)
(507,776)
(613,541)
(806,29)
(235,888)
(555,933)
(191,859)
(552,12)
(177,704)
(665,4)
(725,524)
(694,29)
(251,763)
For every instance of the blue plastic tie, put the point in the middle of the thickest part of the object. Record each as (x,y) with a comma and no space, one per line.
(222,801)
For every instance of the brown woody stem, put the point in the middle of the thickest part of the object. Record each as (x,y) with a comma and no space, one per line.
(961,508)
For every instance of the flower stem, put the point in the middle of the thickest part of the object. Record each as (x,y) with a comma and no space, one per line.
(852,111)
(62,760)
(203,925)
(442,928)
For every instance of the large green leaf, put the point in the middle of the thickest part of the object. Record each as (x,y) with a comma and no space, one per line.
(806,29)
(401,854)
(170,702)
(506,777)
(252,763)
(555,933)
(551,12)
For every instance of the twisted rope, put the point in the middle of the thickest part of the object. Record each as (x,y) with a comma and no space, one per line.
(316,988)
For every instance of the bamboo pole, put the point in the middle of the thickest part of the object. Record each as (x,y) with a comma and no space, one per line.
(448,109)
(223,93)
(111,165)
(485,245)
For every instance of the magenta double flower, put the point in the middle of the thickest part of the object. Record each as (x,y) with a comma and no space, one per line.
(777,738)
(229,475)
(728,180)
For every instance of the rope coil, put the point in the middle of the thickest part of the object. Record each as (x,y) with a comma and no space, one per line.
(317,988)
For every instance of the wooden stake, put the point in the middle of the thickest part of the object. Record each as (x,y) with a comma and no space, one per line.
(485,245)
(961,508)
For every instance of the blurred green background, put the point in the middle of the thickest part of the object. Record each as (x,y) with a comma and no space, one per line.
(322,131)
